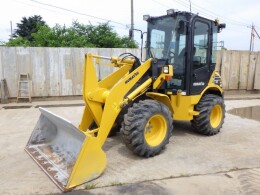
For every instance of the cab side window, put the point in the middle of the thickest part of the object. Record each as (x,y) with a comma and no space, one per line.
(201,45)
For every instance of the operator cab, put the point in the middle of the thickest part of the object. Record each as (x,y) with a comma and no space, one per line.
(189,43)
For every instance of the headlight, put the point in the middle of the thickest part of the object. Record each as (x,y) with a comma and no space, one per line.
(166,69)
(170,12)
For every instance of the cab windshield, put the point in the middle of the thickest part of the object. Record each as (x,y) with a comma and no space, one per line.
(166,39)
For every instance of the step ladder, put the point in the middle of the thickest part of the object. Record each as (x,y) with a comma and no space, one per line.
(23,88)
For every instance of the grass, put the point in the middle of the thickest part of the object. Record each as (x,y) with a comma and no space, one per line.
(93,185)
(90,186)
(115,183)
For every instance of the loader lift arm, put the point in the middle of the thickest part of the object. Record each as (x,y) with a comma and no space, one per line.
(104,99)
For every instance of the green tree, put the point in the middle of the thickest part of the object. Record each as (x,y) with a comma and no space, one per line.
(19,41)
(58,36)
(28,26)
(78,35)
(103,36)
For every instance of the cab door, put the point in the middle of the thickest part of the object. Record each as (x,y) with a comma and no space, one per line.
(200,55)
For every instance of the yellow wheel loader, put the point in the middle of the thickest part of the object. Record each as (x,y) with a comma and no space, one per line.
(177,81)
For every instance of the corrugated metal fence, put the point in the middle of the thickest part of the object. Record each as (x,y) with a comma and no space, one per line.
(58,71)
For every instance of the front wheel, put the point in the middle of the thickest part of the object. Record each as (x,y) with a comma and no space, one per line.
(147,127)
(212,113)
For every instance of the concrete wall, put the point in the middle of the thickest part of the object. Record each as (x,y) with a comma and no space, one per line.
(53,71)
(58,71)
(240,70)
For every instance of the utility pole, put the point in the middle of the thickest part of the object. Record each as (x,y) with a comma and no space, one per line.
(132,19)
(11,25)
(252,39)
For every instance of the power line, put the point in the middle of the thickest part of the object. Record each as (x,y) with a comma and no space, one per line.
(216,14)
(76,12)
(161,4)
(39,7)
(236,31)
(182,3)
(63,13)
(186,4)
(204,11)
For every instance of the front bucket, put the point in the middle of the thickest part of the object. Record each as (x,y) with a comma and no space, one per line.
(67,155)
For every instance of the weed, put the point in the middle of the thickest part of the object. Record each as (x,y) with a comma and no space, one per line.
(115,183)
(90,186)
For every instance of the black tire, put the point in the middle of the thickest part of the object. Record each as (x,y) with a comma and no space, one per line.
(211,117)
(147,127)
(118,122)
(120,118)
(114,130)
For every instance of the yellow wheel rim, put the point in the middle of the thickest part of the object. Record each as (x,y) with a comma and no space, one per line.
(216,115)
(155,130)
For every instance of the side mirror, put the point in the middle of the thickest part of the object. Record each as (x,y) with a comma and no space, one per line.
(221,26)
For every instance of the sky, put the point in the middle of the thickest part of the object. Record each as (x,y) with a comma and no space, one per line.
(239,15)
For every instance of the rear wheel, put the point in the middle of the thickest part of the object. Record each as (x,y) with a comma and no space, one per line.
(147,127)
(211,117)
